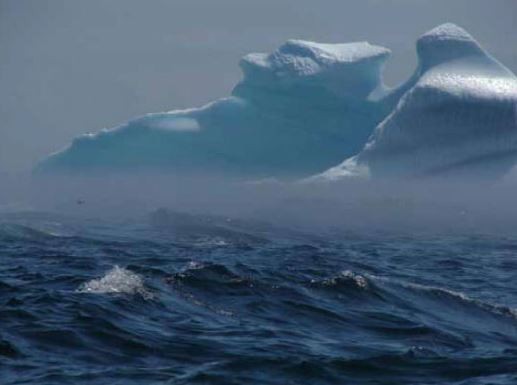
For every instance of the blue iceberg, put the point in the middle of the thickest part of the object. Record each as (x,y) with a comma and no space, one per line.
(307,107)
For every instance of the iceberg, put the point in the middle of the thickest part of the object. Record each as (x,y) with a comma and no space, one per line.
(296,112)
(457,115)
(304,108)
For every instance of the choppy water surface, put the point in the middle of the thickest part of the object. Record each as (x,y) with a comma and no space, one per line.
(92,302)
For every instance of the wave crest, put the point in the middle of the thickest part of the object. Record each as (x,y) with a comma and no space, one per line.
(116,280)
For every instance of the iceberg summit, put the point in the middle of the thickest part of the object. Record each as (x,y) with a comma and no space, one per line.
(322,109)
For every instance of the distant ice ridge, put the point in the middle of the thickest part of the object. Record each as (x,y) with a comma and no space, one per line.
(457,115)
(117,280)
(296,112)
(304,108)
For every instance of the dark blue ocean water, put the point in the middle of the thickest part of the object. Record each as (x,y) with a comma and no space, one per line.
(87,301)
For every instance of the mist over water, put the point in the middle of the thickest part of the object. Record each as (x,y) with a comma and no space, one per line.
(439,204)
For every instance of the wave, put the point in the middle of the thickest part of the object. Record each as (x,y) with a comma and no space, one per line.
(9,230)
(294,310)
(8,349)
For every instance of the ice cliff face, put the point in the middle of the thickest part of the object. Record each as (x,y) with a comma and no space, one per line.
(457,114)
(297,111)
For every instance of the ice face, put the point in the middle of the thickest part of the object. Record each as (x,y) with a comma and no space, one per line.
(297,112)
(457,115)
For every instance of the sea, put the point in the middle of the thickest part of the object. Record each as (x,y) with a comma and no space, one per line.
(175,298)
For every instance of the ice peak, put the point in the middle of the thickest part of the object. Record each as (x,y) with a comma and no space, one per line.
(446,31)
(444,43)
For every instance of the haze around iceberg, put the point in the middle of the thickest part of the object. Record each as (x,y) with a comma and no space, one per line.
(306,107)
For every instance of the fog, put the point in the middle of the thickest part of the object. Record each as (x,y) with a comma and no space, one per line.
(441,206)
(71,66)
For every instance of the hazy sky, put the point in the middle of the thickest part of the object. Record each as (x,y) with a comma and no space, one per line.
(72,66)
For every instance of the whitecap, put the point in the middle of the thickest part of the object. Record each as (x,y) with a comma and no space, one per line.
(116,280)
(212,242)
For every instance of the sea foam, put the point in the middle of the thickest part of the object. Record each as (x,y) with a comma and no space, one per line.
(116,280)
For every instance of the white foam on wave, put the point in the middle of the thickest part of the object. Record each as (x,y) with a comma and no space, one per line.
(116,280)
(211,242)
(359,280)
(451,294)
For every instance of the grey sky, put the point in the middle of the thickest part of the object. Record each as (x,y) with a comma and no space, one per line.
(72,66)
